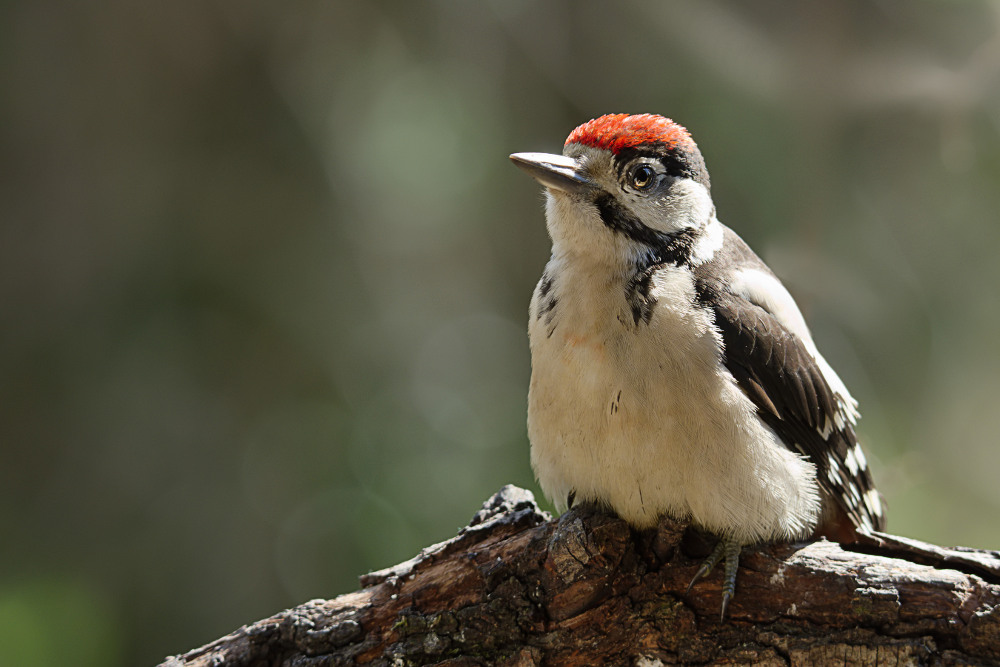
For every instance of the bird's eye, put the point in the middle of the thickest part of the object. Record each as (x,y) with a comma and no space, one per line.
(643,177)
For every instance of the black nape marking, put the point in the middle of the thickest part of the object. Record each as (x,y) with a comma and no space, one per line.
(664,248)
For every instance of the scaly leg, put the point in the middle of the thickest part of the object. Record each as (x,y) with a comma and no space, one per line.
(728,549)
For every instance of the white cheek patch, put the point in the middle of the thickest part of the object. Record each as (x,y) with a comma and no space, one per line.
(687,205)
(708,243)
(766,291)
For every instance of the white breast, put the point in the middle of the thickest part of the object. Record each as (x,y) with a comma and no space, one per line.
(646,419)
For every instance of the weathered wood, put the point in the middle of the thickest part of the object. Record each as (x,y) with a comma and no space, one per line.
(516,588)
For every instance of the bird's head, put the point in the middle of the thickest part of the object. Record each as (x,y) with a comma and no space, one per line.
(626,189)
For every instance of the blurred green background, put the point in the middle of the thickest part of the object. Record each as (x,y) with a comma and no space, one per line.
(264,272)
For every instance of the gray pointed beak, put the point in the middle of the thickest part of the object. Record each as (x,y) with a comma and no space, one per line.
(556,172)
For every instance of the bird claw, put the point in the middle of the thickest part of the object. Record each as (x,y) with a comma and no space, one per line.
(713,559)
(728,550)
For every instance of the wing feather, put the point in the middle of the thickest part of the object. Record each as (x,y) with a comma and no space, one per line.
(771,355)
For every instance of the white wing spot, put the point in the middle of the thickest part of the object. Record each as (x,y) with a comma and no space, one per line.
(873,502)
(852,493)
(851,461)
(860,456)
(831,470)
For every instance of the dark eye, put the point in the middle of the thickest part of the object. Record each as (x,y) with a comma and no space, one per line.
(643,177)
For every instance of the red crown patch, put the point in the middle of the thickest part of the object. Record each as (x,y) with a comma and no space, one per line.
(618,131)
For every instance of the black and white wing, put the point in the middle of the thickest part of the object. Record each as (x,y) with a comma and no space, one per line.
(771,354)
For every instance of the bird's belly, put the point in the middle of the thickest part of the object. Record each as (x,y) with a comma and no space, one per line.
(652,425)
(615,433)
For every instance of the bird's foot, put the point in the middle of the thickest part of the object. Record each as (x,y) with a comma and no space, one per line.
(727,550)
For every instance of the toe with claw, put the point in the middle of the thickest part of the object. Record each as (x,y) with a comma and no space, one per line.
(727,550)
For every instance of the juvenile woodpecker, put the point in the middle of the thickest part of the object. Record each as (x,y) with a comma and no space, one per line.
(672,372)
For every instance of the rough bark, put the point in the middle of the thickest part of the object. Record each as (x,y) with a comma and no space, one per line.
(518,588)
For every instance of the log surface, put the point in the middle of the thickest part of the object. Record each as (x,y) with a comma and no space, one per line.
(516,587)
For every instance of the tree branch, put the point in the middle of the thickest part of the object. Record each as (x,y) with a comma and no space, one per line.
(516,588)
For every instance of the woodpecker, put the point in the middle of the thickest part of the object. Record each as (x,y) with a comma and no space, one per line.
(672,372)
